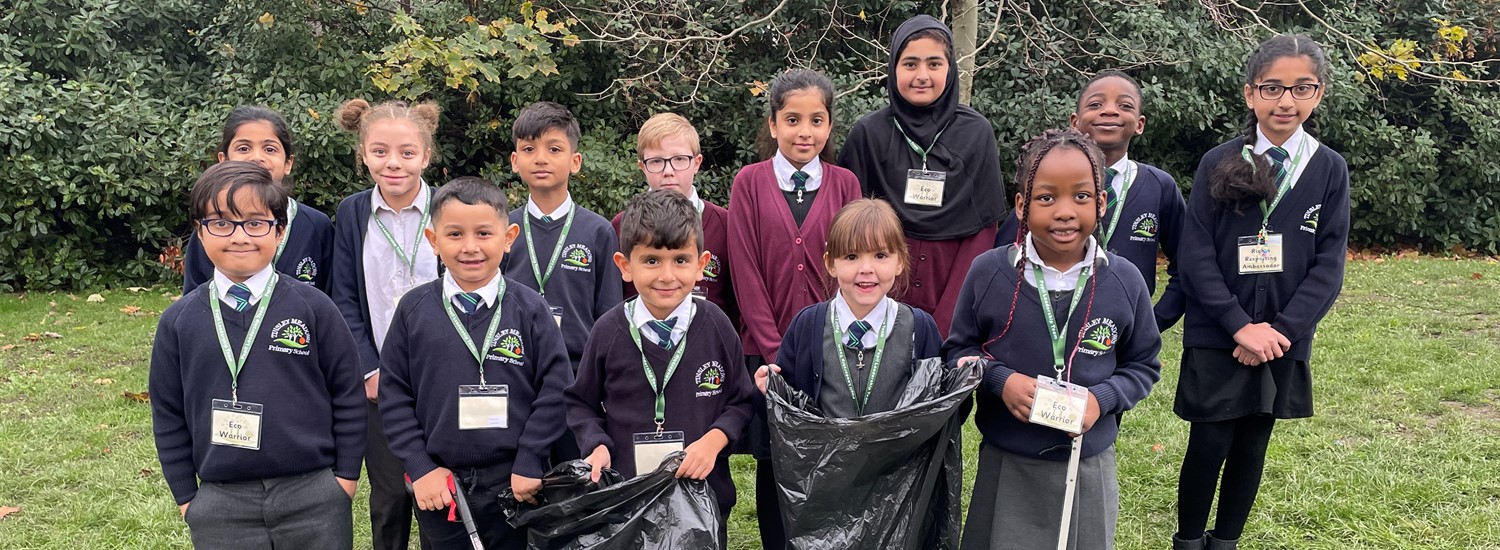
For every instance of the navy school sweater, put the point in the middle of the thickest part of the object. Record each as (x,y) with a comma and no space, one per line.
(1313,219)
(801,353)
(585,283)
(425,361)
(611,399)
(314,415)
(347,278)
(306,258)
(1119,375)
(1153,217)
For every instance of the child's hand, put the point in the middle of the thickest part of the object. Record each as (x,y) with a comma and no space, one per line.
(432,490)
(599,459)
(702,454)
(1262,341)
(372,387)
(1019,394)
(525,488)
(1091,414)
(349,485)
(183,509)
(964,361)
(763,374)
(1245,356)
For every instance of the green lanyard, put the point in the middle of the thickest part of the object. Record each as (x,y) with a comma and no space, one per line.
(1286,185)
(236,365)
(536,269)
(1119,202)
(838,337)
(409,259)
(1053,331)
(291,214)
(489,333)
(661,399)
(918,148)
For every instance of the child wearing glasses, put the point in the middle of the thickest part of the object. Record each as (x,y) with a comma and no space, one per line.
(668,154)
(256,401)
(1262,265)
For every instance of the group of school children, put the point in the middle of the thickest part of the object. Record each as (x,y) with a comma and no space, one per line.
(459,346)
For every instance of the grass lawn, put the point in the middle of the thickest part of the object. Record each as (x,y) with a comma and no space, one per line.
(1404,451)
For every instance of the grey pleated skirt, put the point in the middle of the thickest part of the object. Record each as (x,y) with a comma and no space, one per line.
(1017,503)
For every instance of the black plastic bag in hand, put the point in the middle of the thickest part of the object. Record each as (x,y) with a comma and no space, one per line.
(653,511)
(889,480)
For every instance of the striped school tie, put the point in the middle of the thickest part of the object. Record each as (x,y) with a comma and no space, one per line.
(1278,157)
(799,183)
(856,338)
(1114,198)
(241,295)
(663,331)
(468,301)
(546,219)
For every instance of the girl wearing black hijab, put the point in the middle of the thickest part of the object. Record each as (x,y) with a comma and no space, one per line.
(934,161)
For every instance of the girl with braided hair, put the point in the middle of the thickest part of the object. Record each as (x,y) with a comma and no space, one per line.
(1056,286)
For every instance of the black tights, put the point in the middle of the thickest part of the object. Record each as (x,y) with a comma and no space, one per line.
(1239,447)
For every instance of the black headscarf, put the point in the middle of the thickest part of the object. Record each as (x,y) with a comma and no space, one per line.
(974,193)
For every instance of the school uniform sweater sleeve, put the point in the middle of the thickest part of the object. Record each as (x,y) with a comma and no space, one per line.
(174,442)
(1137,368)
(1173,211)
(321,248)
(398,393)
(970,330)
(196,268)
(1203,279)
(551,375)
(750,288)
(1325,276)
(929,343)
(800,356)
(347,286)
(585,396)
(345,381)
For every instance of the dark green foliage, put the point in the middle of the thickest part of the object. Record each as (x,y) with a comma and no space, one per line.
(113,106)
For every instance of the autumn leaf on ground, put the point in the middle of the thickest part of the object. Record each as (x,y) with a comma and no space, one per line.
(142,397)
(32,337)
(130,310)
(104,381)
(1477,276)
(8,510)
(7,347)
(95,298)
(147,472)
(52,335)
(1156,448)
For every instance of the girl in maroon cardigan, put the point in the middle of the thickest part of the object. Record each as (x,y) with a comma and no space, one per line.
(779,213)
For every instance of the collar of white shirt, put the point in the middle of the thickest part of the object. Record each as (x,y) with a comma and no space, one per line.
(883,314)
(487,293)
(1293,144)
(256,283)
(562,209)
(1122,168)
(697,202)
(784,171)
(683,312)
(1059,280)
(377,201)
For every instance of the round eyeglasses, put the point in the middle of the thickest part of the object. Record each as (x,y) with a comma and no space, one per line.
(657,165)
(219,227)
(1272,92)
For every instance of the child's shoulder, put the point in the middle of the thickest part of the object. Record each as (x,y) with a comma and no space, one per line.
(1123,274)
(521,296)
(307,213)
(420,297)
(760,169)
(1330,156)
(185,307)
(589,218)
(1149,172)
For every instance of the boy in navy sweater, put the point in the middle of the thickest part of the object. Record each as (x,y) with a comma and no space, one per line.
(256,401)
(473,374)
(564,248)
(661,372)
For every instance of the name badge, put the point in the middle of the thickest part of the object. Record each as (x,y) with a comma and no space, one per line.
(1059,405)
(1260,257)
(652,448)
(556,315)
(236,424)
(483,407)
(925,188)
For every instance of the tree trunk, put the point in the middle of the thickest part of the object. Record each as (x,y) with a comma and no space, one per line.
(965,34)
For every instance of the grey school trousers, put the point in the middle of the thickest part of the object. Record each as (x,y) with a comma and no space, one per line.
(302,511)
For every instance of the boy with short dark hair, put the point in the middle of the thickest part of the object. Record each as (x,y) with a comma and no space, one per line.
(474,372)
(564,248)
(257,404)
(631,404)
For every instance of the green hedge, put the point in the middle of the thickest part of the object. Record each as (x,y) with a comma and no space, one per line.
(113,106)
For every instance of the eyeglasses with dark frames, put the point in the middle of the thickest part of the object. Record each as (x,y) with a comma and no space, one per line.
(220,227)
(657,165)
(1273,92)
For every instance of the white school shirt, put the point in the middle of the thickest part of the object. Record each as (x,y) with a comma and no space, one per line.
(386,277)
(488,294)
(1115,184)
(256,282)
(784,171)
(562,209)
(884,313)
(683,312)
(1292,145)
(1060,280)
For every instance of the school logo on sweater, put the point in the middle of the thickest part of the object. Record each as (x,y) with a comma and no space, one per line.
(1144,228)
(577,257)
(1310,219)
(291,337)
(711,271)
(307,270)
(509,348)
(1099,337)
(710,379)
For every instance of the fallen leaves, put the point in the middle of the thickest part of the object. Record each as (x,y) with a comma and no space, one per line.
(142,397)
(95,298)
(7,347)
(35,337)
(1157,447)
(1476,276)
(137,289)
(8,510)
(104,381)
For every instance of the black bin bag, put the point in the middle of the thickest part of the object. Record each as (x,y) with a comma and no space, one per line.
(890,480)
(653,511)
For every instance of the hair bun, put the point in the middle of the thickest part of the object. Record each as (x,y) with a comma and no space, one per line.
(350,114)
